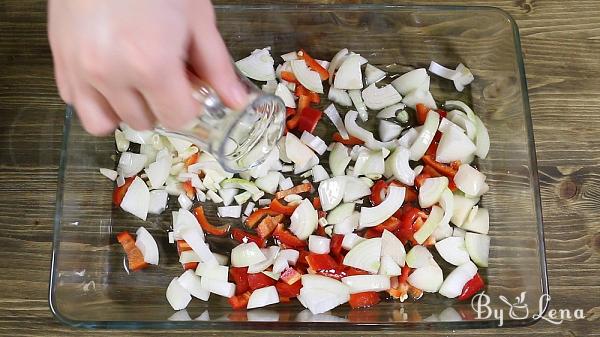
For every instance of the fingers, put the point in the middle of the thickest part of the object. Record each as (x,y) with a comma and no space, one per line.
(96,114)
(170,98)
(61,81)
(131,108)
(210,58)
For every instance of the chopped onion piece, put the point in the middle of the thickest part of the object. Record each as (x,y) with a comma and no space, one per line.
(408,138)
(361,283)
(428,278)
(242,197)
(262,297)
(138,137)
(297,152)
(389,267)
(418,257)
(397,166)
(331,192)
(338,159)
(270,254)
(373,216)
(269,87)
(349,75)
(320,293)
(389,130)
(454,145)
(390,111)
(420,145)
(230,211)
(108,173)
(214,197)
(462,207)
(410,81)
(365,255)
(453,250)
(131,164)
(359,104)
(280,264)
(442,71)
(340,213)
(419,96)
(184,202)
(285,184)
(188,256)
(350,240)
(290,56)
(308,78)
(318,244)
(120,180)
(432,222)
(336,61)
(291,255)
(379,98)
(392,246)
(373,74)
(478,246)
(348,224)
(246,254)
(177,296)
(482,140)
(269,182)
(456,280)
(319,174)
(121,142)
(137,199)
(249,208)
(314,142)
(339,96)
(258,66)
(431,191)
(228,194)
(191,282)
(147,245)
(286,96)
(304,219)
(218,287)
(469,180)
(480,223)
(356,188)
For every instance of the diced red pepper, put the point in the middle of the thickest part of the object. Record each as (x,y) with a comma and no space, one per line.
(403,278)
(207,226)
(436,138)
(309,118)
(313,64)
(391,224)
(290,276)
(239,276)
(350,141)
(260,280)
(303,103)
(239,302)
(428,172)
(443,113)
(432,149)
(410,193)
(182,246)
(316,203)
(335,246)
(444,169)
(267,225)
(245,237)
(472,287)
(306,187)
(320,231)
(280,208)
(256,216)
(379,192)
(286,237)
(406,230)
(422,111)
(288,290)
(372,233)
(119,192)
(325,265)
(189,189)
(135,258)
(302,258)
(190,265)
(193,159)
(289,112)
(288,76)
(302,91)
(364,300)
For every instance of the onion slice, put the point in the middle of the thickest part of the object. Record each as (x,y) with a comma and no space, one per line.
(410,81)
(456,280)
(373,216)
(339,96)
(304,219)
(362,283)
(336,61)
(365,255)
(262,297)
(308,78)
(335,118)
(349,75)
(373,74)
(147,245)
(246,254)
(177,296)
(379,98)
(258,66)
(137,199)
(420,145)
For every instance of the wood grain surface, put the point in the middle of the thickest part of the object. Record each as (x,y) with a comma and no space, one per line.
(561,48)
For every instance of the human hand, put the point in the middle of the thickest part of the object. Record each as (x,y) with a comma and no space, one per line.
(125,60)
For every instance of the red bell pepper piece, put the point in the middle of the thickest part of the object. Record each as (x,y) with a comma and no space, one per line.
(288,290)
(245,237)
(306,187)
(259,280)
(379,192)
(267,225)
(372,233)
(428,172)
(422,111)
(189,189)
(313,64)
(316,203)
(335,247)
(309,118)
(407,227)
(289,112)
(287,238)
(325,265)
(190,265)
(119,192)
(410,194)
(443,113)
(364,300)
(403,278)
(472,287)
(302,258)
(290,275)
(255,218)
(391,224)
(239,302)
(135,258)
(432,149)
(350,141)
(207,226)
(182,246)
(239,276)
(302,91)
(288,76)
(303,103)
(443,169)
(193,159)
(280,208)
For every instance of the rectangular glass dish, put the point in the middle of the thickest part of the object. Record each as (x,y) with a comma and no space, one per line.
(90,287)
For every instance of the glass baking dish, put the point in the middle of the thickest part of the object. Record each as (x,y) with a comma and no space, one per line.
(90,288)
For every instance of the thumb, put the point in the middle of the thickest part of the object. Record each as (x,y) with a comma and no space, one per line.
(210,59)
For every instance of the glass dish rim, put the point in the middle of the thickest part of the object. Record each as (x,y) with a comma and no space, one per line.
(331,326)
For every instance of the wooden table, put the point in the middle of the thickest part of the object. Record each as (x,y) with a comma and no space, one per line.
(561,46)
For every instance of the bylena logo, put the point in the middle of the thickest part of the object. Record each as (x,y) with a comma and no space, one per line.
(519,309)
